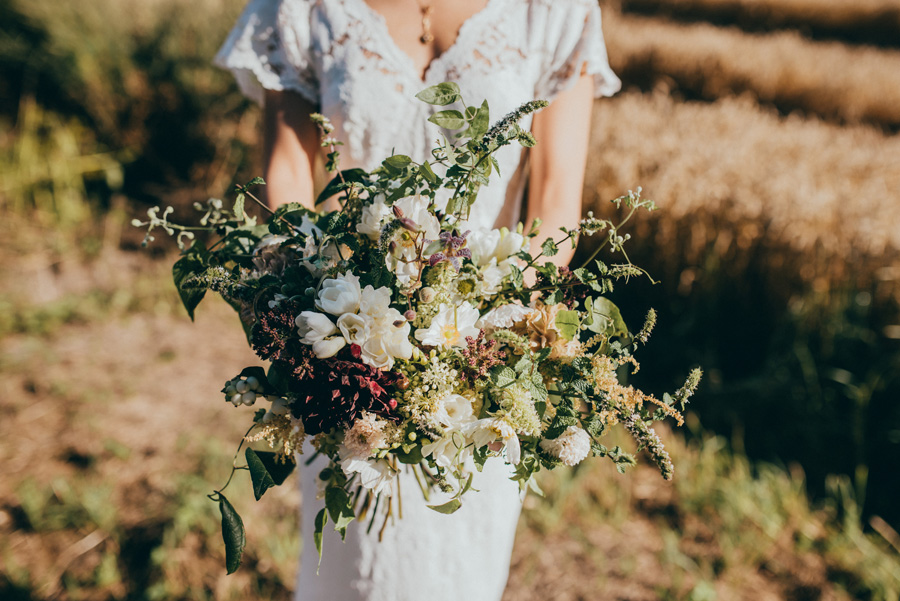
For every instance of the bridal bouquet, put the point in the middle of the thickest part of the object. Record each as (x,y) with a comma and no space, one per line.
(398,337)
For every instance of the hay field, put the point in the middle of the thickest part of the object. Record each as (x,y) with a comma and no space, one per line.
(766,130)
(829,79)
(860,21)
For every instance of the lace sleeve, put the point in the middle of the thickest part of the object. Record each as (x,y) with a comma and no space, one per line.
(574,45)
(270,48)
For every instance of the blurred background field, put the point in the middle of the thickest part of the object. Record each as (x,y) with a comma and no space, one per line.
(766,130)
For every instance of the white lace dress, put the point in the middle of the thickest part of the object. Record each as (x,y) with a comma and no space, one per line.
(340,55)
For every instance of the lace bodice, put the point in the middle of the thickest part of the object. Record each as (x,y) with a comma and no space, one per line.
(339,55)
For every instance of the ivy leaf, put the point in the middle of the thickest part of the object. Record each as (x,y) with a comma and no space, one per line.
(233,534)
(449,119)
(567,322)
(321,520)
(194,262)
(278,470)
(442,94)
(447,508)
(259,475)
(340,507)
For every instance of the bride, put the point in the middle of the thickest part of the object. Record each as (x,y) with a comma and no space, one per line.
(360,63)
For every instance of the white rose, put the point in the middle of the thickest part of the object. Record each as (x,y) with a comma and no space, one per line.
(355,327)
(340,295)
(454,411)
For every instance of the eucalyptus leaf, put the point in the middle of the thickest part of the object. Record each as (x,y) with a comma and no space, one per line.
(447,508)
(441,94)
(233,534)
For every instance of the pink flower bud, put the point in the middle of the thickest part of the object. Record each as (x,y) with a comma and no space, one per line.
(410,315)
(409,224)
(398,212)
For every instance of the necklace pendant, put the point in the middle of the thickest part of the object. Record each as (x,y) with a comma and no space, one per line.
(426,38)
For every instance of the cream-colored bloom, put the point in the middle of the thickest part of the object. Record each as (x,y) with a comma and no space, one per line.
(364,437)
(340,295)
(355,327)
(374,475)
(375,302)
(372,218)
(450,327)
(571,447)
(504,316)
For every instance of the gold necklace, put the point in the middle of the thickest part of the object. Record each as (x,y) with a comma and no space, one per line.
(426,9)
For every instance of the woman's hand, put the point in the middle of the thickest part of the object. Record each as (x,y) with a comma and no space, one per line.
(291,147)
(558,161)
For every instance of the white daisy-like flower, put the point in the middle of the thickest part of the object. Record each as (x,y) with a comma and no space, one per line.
(492,429)
(374,475)
(450,327)
(571,447)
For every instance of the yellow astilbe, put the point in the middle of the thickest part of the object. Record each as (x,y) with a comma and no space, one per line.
(283,435)
(626,398)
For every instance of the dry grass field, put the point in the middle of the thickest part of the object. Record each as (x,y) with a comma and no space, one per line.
(766,130)
(858,21)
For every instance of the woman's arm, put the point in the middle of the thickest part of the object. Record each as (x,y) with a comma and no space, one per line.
(558,161)
(291,145)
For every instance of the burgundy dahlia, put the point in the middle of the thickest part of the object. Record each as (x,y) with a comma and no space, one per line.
(337,392)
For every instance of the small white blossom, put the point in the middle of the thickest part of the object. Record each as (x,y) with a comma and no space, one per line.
(450,327)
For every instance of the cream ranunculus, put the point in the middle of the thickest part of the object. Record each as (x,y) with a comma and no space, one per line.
(340,295)
(372,217)
(387,342)
(375,302)
(450,327)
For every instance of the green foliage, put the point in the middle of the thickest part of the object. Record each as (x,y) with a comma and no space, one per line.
(233,534)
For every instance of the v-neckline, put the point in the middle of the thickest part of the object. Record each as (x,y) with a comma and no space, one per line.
(405,59)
